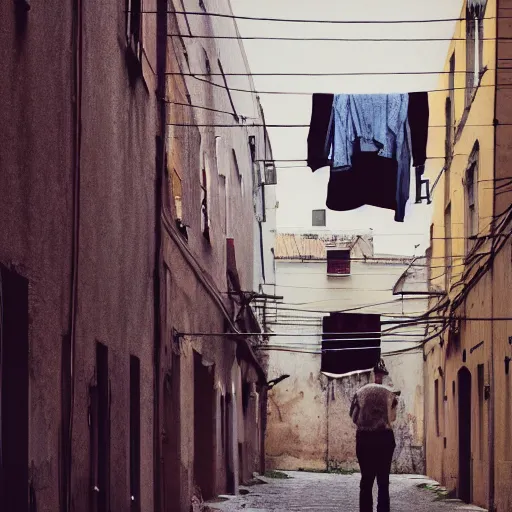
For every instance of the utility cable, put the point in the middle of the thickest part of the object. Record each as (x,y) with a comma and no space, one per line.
(323,21)
(338,39)
(348,73)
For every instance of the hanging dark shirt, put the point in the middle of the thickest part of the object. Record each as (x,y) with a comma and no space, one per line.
(321,123)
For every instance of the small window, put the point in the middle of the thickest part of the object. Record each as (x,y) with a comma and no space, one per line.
(134,25)
(252,147)
(474,48)
(436,398)
(471,196)
(270,173)
(319,218)
(177,192)
(338,262)
(205,224)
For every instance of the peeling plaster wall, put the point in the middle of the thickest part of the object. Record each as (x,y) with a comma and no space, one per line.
(309,425)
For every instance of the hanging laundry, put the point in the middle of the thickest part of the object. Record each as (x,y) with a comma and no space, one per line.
(368,141)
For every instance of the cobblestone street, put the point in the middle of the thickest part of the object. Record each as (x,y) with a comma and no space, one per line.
(327,492)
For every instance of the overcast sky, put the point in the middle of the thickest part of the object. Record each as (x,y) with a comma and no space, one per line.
(295,185)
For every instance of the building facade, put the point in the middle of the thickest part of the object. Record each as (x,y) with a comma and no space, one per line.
(115,395)
(309,426)
(217,254)
(467,380)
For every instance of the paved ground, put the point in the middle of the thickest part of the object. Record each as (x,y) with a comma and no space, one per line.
(329,493)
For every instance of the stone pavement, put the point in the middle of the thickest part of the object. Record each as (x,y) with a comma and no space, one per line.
(330,492)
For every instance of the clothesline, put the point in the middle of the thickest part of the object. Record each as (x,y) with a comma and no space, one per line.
(265,125)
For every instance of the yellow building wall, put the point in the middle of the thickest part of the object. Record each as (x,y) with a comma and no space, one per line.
(443,358)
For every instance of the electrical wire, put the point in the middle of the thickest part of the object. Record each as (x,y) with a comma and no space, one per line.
(338,39)
(297,93)
(246,125)
(324,21)
(347,73)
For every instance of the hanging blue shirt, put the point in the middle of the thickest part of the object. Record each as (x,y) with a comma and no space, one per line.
(373,123)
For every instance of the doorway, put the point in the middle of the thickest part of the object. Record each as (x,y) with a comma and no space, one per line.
(204,428)
(14,391)
(464,487)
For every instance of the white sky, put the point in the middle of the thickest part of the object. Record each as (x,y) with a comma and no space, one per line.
(296,185)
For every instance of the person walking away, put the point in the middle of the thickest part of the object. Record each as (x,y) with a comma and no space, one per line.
(373,410)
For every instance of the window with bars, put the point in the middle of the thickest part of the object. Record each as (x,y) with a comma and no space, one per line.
(319,218)
(338,262)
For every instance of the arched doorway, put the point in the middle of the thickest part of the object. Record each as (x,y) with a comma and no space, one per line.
(465,484)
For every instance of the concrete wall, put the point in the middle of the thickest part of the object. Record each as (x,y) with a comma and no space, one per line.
(309,424)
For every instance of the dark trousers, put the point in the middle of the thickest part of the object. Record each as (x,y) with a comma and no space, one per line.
(375,452)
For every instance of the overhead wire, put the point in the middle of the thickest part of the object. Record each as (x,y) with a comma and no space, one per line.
(299,93)
(337,39)
(322,21)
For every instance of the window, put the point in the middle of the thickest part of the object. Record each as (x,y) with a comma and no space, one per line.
(135,433)
(134,25)
(436,398)
(474,47)
(177,192)
(338,262)
(14,391)
(480,377)
(205,224)
(270,173)
(450,112)
(471,197)
(319,218)
(448,246)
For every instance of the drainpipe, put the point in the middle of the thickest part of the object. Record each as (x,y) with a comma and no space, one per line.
(160,161)
(491,363)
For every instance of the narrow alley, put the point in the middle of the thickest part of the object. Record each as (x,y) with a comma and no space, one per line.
(334,492)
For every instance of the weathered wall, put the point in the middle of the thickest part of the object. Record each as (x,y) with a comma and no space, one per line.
(197,299)
(115,219)
(35,209)
(480,342)
(309,424)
